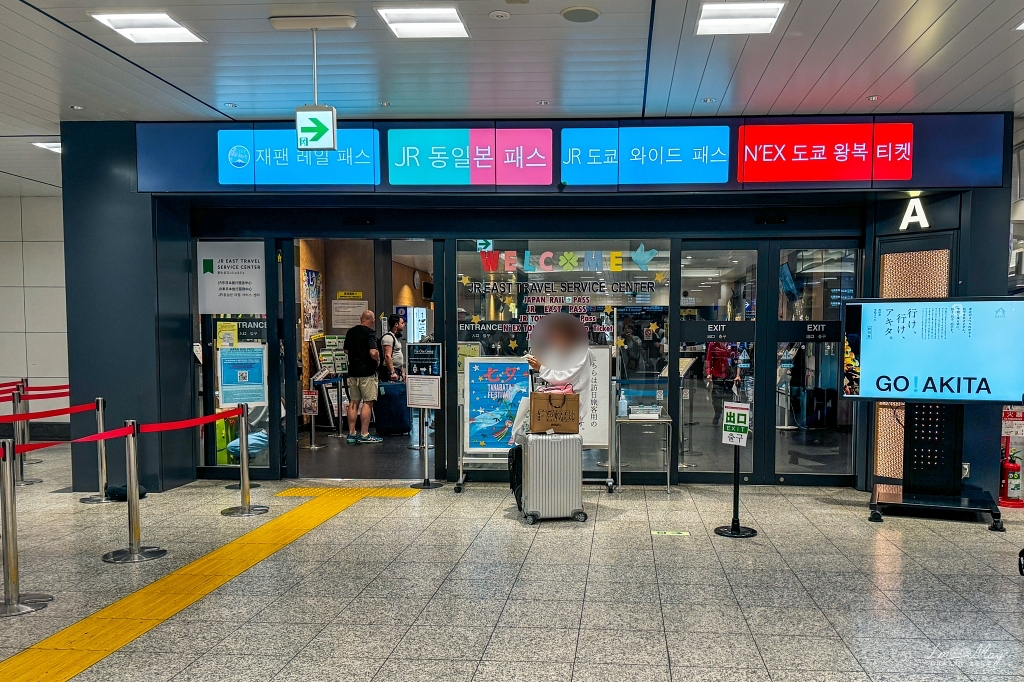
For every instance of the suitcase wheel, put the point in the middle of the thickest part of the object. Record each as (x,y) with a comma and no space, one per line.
(531,519)
(580,516)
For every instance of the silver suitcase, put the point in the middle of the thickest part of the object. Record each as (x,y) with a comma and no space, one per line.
(552,477)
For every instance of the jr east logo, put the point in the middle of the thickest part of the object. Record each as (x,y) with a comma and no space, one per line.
(951,385)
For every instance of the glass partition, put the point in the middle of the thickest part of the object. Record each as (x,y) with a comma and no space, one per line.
(618,288)
(813,428)
(718,307)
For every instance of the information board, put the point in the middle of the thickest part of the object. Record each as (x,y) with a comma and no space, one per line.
(241,374)
(956,350)
(595,408)
(494,388)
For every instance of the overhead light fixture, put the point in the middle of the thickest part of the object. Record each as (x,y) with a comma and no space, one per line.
(385,104)
(580,15)
(543,102)
(323,22)
(76,107)
(423,22)
(50,146)
(152,27)
(1020,28)
(230,105)
(872,98)
(709,100)
(499,14)
(738,18)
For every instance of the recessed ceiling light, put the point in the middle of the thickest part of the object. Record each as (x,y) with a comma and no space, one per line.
(76,107)
(499,14)
(230,105)
(709,100)
(738,18)
(51,146)
(872,98)
(154,27)
(580,15)
(424,22)
(543,102)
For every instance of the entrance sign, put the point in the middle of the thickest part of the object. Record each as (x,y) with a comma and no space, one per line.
(494,388)
(316,127)
(914,214)
(231,278)
(736,423)
(957,350)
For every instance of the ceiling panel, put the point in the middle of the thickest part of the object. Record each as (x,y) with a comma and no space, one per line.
(26,170)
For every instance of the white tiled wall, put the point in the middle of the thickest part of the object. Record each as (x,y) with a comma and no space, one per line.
(33,315)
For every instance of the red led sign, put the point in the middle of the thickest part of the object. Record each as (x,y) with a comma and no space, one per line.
(825,152)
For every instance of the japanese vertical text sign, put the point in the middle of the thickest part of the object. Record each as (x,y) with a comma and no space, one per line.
(494,388)
(231,278)
(736,425)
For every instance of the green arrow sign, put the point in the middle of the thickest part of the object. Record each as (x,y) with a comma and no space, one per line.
(318,129)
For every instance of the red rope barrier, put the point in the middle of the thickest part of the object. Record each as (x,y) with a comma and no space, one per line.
(45,396)
(106,435)
(55,387)
(188,423)
(28,416)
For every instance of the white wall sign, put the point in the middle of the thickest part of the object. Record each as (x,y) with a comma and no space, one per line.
(345,314)
(595,408)
(231,278)
(914,214)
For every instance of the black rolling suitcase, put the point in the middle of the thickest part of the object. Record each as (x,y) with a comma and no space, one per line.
(391,411)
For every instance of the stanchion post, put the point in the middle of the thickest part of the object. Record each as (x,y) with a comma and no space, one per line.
(15,603)
(101,458)
(245,509)
(21,437)
(425,454)
(339,432)
(735,530)
(135,553)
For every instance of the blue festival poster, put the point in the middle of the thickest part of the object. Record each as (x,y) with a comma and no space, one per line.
(494,387)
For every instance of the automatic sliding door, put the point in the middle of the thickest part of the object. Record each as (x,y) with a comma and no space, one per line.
(718,308)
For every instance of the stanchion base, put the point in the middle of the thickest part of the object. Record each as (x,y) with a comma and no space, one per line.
(426,485)
(238,486)
(253,510)
(33,461)
(35,598)
(125,556)
(97,499)
(735,531)
(40,601)
(312,447)
(28,481)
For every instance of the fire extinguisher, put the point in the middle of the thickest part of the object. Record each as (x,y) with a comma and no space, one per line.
(1009,474)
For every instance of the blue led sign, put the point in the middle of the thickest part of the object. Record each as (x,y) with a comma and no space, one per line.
(590,156)
(271,157)
(678,155)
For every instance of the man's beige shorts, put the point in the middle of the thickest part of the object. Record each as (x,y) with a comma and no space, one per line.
(362,389)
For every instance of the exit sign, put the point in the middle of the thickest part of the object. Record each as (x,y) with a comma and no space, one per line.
(316,127)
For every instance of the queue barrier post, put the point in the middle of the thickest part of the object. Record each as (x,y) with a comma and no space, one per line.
(21,437)
(734,529)
(15,602)
(425,454)
(26,438)
(101,458)
(245,509)
(135,552)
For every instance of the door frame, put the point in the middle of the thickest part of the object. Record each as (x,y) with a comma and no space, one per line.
(765,419)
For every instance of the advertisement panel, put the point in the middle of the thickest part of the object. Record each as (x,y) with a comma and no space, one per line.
(956,350)
(494,387)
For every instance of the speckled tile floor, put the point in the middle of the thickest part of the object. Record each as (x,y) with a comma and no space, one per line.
(455,587)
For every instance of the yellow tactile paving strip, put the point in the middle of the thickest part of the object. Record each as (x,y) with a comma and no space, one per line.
(70,651)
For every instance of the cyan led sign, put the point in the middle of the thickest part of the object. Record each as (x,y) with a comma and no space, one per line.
(441,156)
(669,155)
(272,157)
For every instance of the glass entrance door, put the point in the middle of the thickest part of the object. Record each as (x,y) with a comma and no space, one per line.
(718,309)
(813,427)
